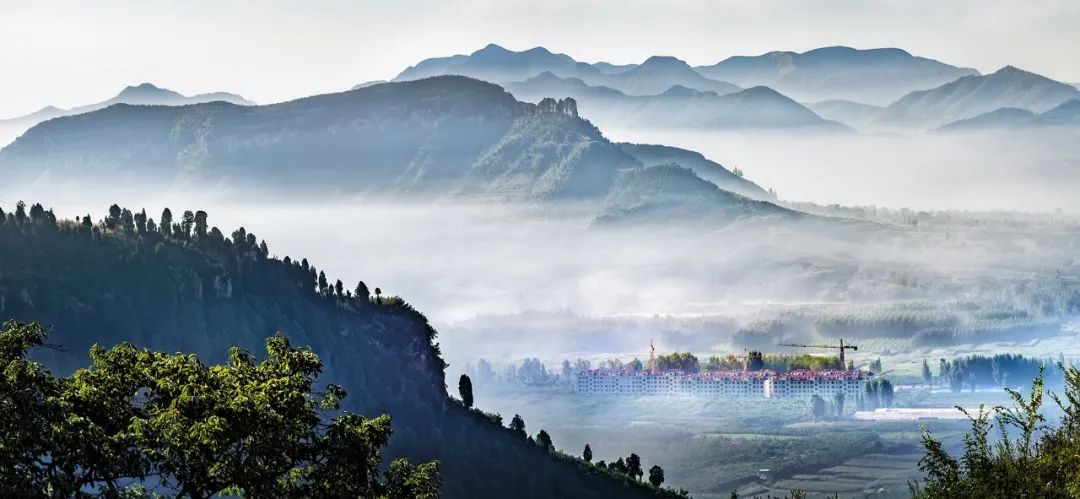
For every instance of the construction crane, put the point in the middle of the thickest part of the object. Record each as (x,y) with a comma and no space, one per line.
(842,347)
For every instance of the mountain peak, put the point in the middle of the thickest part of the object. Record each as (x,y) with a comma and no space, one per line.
(665,61)
(491,49)
(144,90)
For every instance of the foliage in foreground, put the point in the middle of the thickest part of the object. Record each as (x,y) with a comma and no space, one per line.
(1031,458)
(138,419)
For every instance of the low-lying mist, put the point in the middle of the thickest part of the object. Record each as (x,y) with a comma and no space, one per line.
(457,261)
(1026,171)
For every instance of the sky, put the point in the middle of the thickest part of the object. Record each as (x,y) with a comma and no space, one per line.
(69,53)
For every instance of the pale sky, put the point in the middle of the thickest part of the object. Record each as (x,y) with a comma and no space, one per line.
(75,52)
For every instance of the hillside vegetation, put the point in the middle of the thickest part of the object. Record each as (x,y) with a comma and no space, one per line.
(186,287)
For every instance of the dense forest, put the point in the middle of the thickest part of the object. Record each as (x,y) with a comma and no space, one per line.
(180,285)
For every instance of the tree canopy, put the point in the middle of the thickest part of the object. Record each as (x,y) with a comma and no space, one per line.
(137,419)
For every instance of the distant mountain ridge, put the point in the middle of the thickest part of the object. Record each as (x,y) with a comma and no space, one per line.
(677,106)
(1066,114)
(971,96)
(499,65)
(874,76)
(145,94)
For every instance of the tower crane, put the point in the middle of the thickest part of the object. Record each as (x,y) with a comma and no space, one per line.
(842,347)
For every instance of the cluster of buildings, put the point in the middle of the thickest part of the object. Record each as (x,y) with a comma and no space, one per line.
(746,383)
(721,384)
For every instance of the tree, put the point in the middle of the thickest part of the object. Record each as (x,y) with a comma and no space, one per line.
(339,288)
(362,294)
(464,387)
(165,223)
(587,454)
(247,428)
(323,285)
(619,466)
(544,440)
(656,476)
(140,221)
(127,221)
(113,220)
(926,376)
(20,212)
(517,426)
(200,224)
(633,466)
(87,223)
(187,222)
(378,296)
(886,392)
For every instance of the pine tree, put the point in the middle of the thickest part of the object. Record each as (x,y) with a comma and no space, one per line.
(587,454)
(339,289)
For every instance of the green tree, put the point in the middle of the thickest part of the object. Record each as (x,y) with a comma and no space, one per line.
(587,454)
(517,426)
(465,390)
(656,476)
(249,428)
(544,440)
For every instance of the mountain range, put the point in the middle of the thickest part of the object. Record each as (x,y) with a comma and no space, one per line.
(439,137)
(499,65)
(874,76)
(880,89)
(145,94)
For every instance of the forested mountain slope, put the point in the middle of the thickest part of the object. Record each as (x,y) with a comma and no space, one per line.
(192,289)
